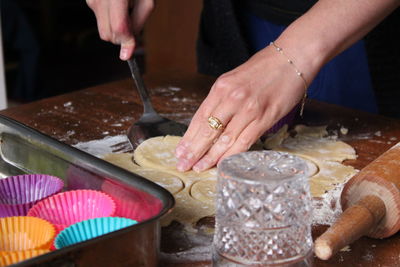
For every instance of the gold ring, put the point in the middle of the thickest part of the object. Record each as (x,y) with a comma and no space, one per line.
(215,123)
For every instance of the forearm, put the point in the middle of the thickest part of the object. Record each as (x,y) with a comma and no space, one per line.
(329,28)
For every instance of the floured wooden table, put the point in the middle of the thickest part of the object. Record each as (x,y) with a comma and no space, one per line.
(103,113)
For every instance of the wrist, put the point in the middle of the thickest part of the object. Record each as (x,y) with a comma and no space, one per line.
(296,70)
(308,56)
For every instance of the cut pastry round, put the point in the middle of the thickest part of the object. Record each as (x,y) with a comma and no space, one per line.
(123,160)
(157,153)
(204,190)
(167,180)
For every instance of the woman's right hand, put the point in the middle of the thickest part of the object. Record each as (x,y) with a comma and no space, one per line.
(118,21)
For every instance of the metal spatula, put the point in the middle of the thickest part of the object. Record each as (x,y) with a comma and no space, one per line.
(150,124)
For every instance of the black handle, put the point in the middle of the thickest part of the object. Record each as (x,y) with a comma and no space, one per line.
(144,94)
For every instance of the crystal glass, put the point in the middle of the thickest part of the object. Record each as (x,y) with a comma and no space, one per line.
(264,210)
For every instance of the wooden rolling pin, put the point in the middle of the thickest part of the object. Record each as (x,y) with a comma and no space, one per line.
(371,204)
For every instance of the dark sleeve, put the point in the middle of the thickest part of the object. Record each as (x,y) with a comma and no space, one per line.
(220,45)
(282,12)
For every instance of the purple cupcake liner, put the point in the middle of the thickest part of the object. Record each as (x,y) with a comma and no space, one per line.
(19,193)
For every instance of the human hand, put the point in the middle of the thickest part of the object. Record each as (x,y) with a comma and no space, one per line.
(119,20)
(247,100)
(251,98)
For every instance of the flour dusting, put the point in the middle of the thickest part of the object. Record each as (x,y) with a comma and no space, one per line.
(327,209)
(103,146)
(194,254)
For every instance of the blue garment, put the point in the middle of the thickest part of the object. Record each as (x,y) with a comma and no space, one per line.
(344,81)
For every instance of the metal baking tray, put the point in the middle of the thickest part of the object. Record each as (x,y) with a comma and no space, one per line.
(25,150)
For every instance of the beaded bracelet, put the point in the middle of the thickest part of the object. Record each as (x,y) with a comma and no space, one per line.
(303,101)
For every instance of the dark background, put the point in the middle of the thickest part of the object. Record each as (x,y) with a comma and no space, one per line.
(60,39)
(52,47)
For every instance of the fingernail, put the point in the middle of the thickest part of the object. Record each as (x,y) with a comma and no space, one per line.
(123,54)
(189,155)
(200,166)
(183,165)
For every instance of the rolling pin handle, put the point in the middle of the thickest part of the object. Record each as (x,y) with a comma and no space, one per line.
(356,221)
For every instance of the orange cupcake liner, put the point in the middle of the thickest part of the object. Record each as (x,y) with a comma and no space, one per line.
(25,233)
(8,258)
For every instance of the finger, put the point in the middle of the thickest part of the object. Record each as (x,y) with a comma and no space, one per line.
(140,13)
(197,146)
(121,28)
(217,94)
(203,139)
(253,131)
(245,140)
(103,21)
(230,135)
(201,114)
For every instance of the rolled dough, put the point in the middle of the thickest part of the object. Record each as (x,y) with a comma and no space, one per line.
(195,192)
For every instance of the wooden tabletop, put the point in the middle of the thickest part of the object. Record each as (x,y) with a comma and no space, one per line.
(109,109)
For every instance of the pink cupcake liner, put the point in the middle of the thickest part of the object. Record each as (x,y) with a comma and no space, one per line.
(132,203)
(74,206)
(19,193)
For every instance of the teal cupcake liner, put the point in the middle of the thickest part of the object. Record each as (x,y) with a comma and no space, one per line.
(89,229)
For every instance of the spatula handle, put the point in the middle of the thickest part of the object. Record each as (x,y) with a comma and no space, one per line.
(144,94)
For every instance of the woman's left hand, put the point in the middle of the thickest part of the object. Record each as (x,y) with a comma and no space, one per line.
(247,101)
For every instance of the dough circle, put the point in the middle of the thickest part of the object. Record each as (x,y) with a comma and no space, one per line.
(157,153)
(326,153)
(205,191)
(169,181)
(312,168)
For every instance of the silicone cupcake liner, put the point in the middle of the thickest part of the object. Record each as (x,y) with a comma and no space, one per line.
(25,233)
(8,258)
(19,193)
(132,203)
(89,229)
(74,206)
